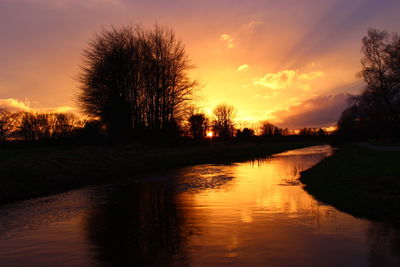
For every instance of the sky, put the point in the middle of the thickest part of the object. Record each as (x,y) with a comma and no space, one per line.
(291,62)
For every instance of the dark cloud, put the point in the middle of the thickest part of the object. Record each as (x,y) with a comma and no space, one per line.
(321,111)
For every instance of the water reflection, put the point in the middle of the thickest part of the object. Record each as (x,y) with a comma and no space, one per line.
(252,213)
(141,225)
(384,245)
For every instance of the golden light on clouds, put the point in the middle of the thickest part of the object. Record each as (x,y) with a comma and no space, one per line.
(311,75)
(287,78)
(243,67)
(227,39)
(15,105)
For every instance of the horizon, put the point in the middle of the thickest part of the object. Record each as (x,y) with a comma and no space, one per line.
(291,64)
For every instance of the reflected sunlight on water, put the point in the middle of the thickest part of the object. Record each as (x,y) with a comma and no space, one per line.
(252,213)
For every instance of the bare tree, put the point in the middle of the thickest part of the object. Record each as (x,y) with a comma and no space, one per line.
(27,126)
(381,65)
(223,124)
(136,80)
(375,113)
(64,124)
(43,126)
(7,123)
(267,128)
(40,126)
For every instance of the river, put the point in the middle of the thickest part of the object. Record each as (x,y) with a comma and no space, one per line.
(253,213)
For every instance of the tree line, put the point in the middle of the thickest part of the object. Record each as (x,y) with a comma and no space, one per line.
(39,126)
(221,124)
(31,126)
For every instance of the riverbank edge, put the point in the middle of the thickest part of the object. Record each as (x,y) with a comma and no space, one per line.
(359,181)
(35,172)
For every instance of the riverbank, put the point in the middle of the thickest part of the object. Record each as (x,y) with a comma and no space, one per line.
(360,181)
(39,171)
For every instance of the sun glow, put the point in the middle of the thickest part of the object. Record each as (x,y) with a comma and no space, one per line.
(237,61)
(210,134)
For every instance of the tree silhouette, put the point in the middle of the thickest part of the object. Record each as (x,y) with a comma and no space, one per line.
(223,122)
(135,80)
(246,133)
(7,123)
(267,128)
(64,124)
(27,126)
(142,225)
(41,126)
(375,113)
(198,125)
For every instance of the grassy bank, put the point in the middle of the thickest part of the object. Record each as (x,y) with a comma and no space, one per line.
(363,182)
(31,172)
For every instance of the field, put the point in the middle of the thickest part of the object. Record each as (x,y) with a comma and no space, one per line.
(361,181)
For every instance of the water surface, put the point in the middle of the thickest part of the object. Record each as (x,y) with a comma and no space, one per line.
(254,213)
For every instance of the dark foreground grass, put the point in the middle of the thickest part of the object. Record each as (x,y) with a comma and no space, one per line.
(31,172)
(363,182)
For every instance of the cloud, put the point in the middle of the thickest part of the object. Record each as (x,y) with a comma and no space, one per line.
(253,23)
(227,39)
(287,78)
(305,87)
(12,104)
(16,105)
(311,75)
(320,111)
(243,67)
(60,109)
(277,80)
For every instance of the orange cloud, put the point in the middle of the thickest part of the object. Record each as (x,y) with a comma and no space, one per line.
(227,39)
(15,105)
(243,67)
(60,109)
(287,78)
(311,75)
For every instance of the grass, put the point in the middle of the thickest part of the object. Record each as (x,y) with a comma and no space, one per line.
(39,171)
(363,182)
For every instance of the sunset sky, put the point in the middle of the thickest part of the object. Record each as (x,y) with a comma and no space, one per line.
(287,61)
